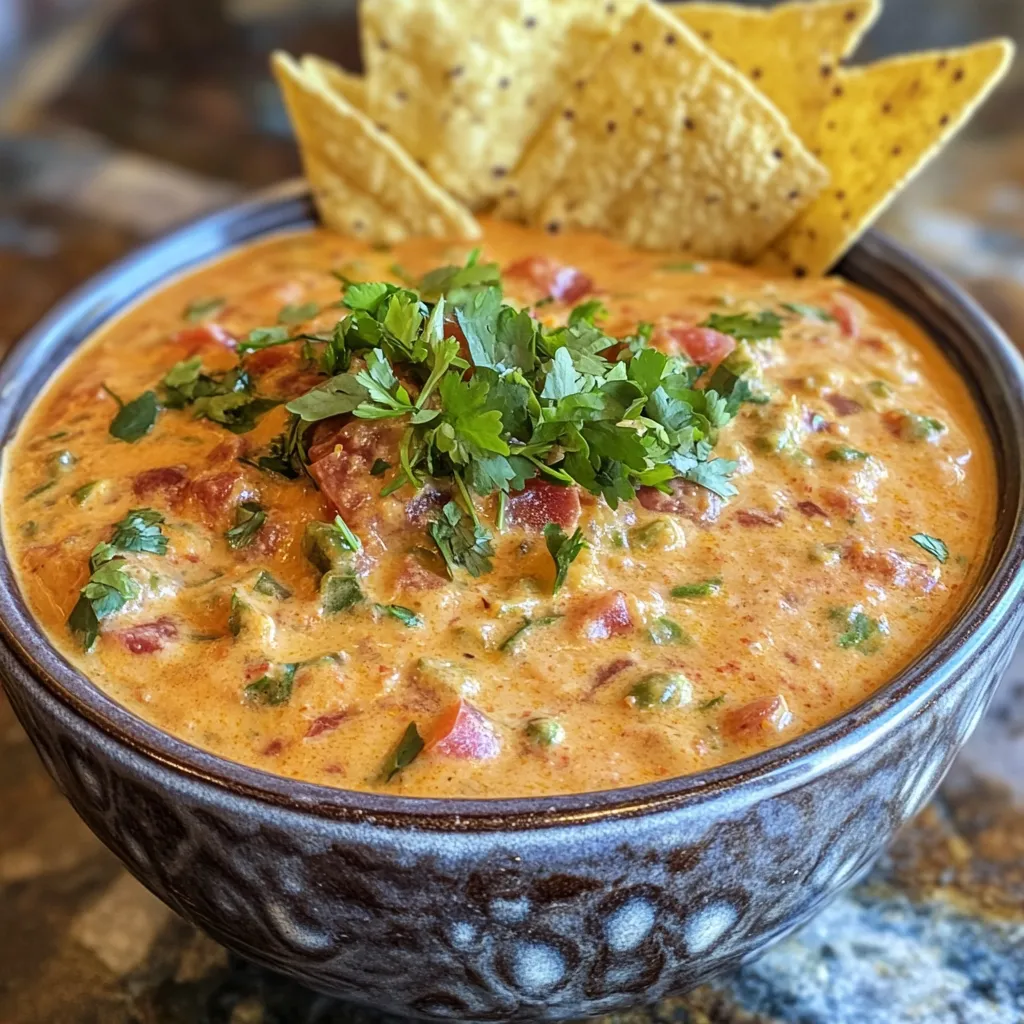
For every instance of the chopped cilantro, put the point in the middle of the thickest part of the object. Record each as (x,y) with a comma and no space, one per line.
(379,467)
(298,314)
(712,703)
(268,586)
(862,633)
(134,419)
(348,538)
(404,615)
(935,547)
(808,312)
(408,749)
(706,588)
(588,312)
(140,531)
(563,549)
(199,310)
(249,518)
(745,326)
(462,543)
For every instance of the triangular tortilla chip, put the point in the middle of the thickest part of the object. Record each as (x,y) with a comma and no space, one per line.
(465,84)
(789,51)
(347,84)
(884,123)
(666,147)
(363,182)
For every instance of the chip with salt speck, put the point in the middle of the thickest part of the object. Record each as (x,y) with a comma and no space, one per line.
(789,51)
(883,124)
(364,183)
(666,146)
(465,85)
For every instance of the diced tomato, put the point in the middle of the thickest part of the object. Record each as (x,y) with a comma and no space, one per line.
(687,499)
(891,568)
(228,450)
(464,733)
(269,538)
(418,574)
(843,406)
(549,277)
(420,509)
(147,637)
(171,482)
(766,714)
(702,344)
(203,336)
(219,493)
(758,517)
(606,673)
(541,502)
(326,723)
(606,616)
(293,385)
(848,314)
(267,359)
(345,481)
(809,509)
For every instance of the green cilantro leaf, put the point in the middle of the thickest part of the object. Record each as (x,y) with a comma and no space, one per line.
(706,588)
(298,314)
(404,615)
(512,642)
(808,312)
(563,549)
(199,310)
(862,633)
(935,547)
(408,749)
(588,312)
(140,531)
(746,327)
(462,543)
(274,688)
(134,419)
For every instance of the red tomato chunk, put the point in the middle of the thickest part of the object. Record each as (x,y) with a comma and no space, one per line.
(465,733)
(147,637)
(562,283)
(540,503)
(607,616)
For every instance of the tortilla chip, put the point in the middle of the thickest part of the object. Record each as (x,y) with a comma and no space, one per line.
(884,123)
(350,86)
(666,147)
(790,51)
(465,85)
(364,184)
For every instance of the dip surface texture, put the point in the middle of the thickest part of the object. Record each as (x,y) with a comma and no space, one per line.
(691,631)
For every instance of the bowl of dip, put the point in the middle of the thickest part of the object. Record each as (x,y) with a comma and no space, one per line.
(501,795)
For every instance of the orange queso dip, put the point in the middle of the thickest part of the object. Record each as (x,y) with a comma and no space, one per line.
(558,517)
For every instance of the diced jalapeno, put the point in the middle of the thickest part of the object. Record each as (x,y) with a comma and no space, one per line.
(545,732)
(845,453)
(664,631)
(657,535)
(662,690)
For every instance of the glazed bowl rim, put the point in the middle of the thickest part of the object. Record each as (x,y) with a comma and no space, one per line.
(288,207)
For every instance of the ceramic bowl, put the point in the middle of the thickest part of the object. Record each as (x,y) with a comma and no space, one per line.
(534,908)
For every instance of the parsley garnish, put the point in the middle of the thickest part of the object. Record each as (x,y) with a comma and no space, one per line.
(808,312)
(745,326)
(563,549)
(249,517)
(134,419)
(935,547)
(199,310)
(706,588)
(408,749)
(293,314)
(462,543)
(863,633)
(110,588)
(264,337)
(228,399)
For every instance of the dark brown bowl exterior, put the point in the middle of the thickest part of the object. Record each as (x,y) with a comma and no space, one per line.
(518,909)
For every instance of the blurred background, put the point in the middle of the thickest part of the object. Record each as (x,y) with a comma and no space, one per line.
(120,118)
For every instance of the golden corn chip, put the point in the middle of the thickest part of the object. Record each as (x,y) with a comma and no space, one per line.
(666,147)
(789,51)
(350,86)
(463,85)
(364,184)
(883,124)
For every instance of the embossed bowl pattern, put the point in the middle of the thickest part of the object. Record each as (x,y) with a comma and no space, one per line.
(518,909)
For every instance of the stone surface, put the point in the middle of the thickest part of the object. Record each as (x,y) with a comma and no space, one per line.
(935,934)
